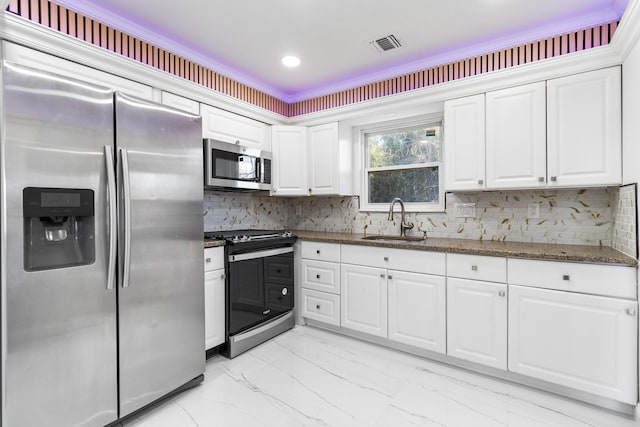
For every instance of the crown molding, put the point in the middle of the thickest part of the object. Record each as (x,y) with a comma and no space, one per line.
(128,26)
(24,32)
(628,32)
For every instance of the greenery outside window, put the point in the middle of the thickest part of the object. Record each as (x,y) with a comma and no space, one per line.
(404,162)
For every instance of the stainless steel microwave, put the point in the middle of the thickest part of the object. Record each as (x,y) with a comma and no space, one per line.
(234,167)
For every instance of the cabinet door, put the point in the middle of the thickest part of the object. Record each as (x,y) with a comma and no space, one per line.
(464,147)
(584,129)
(323,159)
(233,128)
(180,103)
(580,341)
(516,137)
(477,321)
(289,166)
(363,301)
(214,311)
(417,310)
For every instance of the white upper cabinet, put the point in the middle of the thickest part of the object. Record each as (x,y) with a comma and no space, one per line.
(180,103)
(516,137)
(464,143)
(289,164)
(233,128)
(323,161)
(584,129)
(53,64)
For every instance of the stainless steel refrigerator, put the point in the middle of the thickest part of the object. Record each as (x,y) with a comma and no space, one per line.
(100,251)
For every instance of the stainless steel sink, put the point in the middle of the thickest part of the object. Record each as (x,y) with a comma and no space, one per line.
(395,238)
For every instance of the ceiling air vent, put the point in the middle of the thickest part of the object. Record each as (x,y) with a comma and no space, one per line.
(386,43)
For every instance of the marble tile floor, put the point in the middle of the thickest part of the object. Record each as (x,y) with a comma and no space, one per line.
(310,377)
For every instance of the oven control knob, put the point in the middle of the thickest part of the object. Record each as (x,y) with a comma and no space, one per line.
(235,239)
(244,238)
(287,234)
(284,291)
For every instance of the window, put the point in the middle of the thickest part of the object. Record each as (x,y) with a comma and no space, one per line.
(404,162)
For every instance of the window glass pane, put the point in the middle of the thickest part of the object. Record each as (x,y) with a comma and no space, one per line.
(404,147)
(411,185)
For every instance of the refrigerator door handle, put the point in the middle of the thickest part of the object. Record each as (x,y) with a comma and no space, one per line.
(113,216)
(126,185)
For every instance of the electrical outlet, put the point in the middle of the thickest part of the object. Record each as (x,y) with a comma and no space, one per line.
(533,210)
(465,210)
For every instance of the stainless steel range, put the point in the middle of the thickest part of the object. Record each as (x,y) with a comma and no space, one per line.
(259,286)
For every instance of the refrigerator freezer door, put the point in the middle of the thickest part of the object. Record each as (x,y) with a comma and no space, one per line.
(59,321)
(161,308)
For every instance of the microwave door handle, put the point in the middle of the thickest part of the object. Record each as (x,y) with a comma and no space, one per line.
(259,169)
(113,216)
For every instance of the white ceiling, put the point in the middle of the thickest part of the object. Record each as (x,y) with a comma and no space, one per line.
(245,39)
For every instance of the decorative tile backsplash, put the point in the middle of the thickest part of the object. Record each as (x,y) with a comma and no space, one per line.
(624,224)
(574,216)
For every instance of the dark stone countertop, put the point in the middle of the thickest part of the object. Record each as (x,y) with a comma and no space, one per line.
(543,251)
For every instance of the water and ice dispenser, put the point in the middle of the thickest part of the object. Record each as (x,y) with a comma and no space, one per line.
(59,228)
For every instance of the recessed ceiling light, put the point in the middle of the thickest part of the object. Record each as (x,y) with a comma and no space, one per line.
(290,61)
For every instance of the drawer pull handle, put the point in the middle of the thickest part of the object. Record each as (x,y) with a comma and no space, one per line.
(501,293)
(382,275)
(390,277)
(554,179)
(631,311)
(284,292)
(474,268)
(207,260)
(480,181)
(566,277)
(318,251)
(386,258)
(541,179)
(317,276)
(317,306)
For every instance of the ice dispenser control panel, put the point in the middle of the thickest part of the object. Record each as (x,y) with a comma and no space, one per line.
(59,228)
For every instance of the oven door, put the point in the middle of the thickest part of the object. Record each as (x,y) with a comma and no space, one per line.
(260,287)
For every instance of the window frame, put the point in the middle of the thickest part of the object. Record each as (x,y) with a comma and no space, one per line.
(423,121)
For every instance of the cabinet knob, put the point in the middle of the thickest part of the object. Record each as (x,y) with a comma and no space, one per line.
(208,260)
(386,258)
(318,251)
(389,277)
(309,190)
(554,178)
(566,277)
(382,275)
(317,276)
(285,291)
(631,311)
(474,268)
(480,181)
(541,179)
(237,142)
(501,293)
(222,276)
(275,190)
(317,306)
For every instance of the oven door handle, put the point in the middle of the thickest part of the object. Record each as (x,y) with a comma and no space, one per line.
(260,254)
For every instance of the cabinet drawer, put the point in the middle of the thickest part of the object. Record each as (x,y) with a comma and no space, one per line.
(321,276)
(607,280)
(395,259)
(278,297)
(321,251)
(213,258)
(278,269)
(321,306)
(475,267)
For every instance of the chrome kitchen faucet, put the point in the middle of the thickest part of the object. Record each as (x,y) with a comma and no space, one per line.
(403,225)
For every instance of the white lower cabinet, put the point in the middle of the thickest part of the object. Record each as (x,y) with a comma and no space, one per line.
(417,310)
(214,303)
(320,282)
(477,321)
(363,300)
(585,342)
